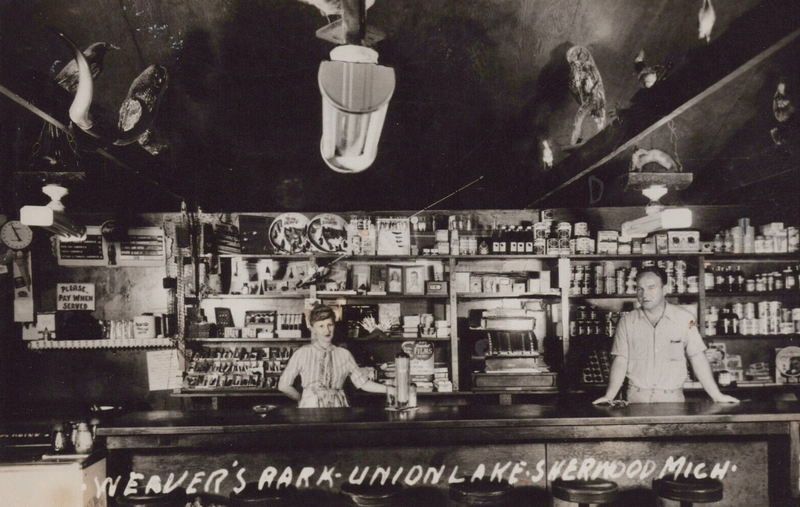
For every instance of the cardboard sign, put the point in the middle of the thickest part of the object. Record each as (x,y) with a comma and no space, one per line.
(75,296)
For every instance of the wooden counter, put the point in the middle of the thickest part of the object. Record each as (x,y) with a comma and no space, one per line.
(761,438)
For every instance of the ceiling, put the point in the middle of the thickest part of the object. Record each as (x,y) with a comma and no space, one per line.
(480,83)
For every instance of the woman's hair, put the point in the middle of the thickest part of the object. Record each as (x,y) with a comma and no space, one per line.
(321,312)
(660,273)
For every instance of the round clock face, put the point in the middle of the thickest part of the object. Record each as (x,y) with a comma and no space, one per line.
(16,235)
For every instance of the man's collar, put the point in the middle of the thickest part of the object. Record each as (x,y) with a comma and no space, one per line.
(669,311)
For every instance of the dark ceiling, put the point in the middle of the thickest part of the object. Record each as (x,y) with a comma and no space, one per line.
(480,84)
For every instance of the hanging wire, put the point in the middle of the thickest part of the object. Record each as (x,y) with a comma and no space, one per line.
(674,135)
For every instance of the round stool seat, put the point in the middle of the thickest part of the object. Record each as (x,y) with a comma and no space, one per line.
(688,489)
(371,495)
(592,491)
(140,498)
(480,492)
(251,496)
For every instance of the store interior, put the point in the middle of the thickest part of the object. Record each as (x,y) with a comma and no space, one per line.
(501,117)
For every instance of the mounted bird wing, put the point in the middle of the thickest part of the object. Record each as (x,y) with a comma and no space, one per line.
(137,113)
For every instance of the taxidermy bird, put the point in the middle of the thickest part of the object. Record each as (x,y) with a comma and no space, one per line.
(137,113)
(706,17)
(67,77)
(586,87)
(649,74)
(331,7)
(782,107)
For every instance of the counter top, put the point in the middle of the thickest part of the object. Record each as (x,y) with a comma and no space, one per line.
(439,417)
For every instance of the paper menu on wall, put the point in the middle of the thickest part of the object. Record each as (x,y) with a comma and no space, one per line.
(164,370)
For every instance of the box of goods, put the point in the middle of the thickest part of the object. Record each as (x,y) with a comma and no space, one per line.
(475,284)
(624,248)
(462,280)
(662,243)
(607,247)
(443,386)
(683,241)
(437,288)
(649,246)
(421,354)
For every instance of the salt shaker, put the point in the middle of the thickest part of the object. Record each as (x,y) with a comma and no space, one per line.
(83,440)
(59,441)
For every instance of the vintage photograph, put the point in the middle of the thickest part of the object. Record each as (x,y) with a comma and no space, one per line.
(414,280)
(399,252)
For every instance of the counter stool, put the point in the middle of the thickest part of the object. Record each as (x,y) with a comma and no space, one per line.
(175,498)
(585,493)
(688,490)
(480,492)
(251,496)
(372,495)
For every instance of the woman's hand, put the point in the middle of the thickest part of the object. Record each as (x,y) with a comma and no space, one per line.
(725,398)
(601,400)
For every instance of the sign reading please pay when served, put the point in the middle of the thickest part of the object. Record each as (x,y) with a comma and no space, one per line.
(75,296)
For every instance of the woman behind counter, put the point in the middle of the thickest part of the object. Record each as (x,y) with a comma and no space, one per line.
(323,367)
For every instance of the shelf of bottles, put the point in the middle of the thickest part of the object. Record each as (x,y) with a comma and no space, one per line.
(609,279)
(751,300)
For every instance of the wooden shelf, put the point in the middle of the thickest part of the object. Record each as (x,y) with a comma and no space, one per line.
(751,336)
(277,295)
(763,295)
(631,296)
(754,257)
(492,295)
(609,257)
(389,297)
(99,344)
(397,339)
(248,340)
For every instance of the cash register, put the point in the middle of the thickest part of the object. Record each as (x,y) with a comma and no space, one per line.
(513,356)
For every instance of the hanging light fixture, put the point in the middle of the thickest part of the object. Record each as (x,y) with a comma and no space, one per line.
(355,92)
(355,97)
(52,216)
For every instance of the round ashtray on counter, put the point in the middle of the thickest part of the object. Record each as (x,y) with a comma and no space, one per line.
(263,409)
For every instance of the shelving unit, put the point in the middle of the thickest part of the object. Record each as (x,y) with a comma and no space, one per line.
(100,344)
(520,263)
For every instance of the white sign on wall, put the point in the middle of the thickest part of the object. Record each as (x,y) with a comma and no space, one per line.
(75,296)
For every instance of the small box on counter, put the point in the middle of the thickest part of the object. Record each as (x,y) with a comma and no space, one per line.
(611,236)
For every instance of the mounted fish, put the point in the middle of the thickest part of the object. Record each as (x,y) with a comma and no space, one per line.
(586,86)
(67,77)
(137,113)
(706,17)
(649,75)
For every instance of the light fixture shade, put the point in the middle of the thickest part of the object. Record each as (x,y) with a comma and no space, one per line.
(52,217)
(664,219)
(355,98)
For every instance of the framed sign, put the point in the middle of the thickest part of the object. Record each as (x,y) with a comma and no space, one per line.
(92,252)
(144,246)
(75,296)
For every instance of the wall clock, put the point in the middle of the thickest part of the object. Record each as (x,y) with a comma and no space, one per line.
(16,235)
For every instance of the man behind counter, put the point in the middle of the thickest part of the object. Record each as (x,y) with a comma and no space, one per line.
(651,345)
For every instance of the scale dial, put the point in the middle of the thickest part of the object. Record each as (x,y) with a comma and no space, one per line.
(16,235)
